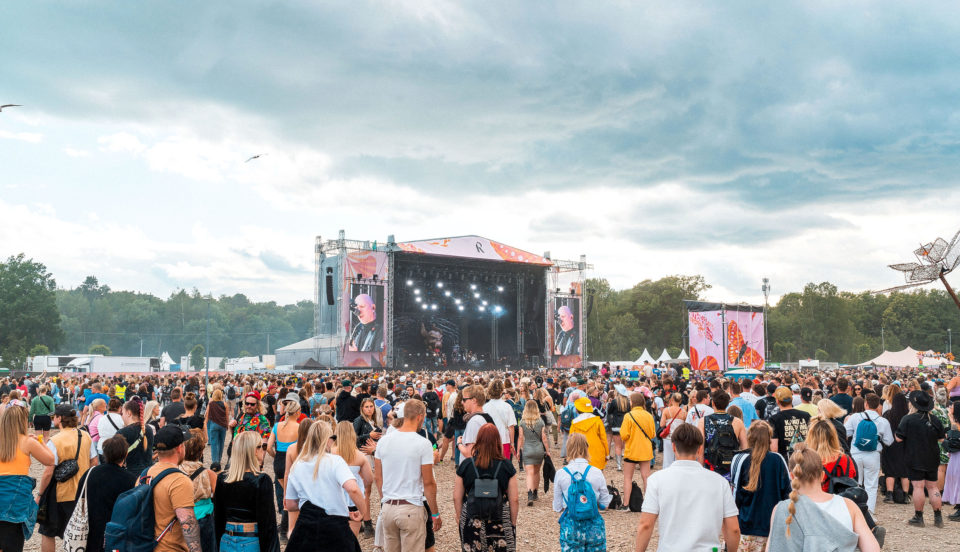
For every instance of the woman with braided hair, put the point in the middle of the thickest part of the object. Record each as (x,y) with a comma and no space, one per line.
(139,436)
(812,519)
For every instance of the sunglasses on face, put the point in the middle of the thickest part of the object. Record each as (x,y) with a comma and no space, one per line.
(263,447)
(467,398)
(250,404)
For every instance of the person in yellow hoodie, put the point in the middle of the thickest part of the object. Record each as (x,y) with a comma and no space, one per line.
(590,426)
(637,432)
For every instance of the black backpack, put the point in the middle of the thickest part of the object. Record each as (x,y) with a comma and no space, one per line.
(837,482)
(719,452)
(616,500)
(433,404)
(231,393)
(636,498)
(485,502)
(952,442)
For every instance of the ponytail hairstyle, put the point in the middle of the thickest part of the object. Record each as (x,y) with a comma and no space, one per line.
(805,467)
(346,441)
(135,407)
(758,439)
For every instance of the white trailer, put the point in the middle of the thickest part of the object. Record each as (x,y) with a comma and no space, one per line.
(103,364)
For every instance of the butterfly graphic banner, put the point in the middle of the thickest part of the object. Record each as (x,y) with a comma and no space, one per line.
(725,337)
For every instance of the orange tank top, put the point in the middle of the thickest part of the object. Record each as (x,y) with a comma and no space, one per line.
(20,465)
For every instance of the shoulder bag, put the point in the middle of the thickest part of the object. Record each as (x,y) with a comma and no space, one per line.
(75,534)
(665,430)
(68,468)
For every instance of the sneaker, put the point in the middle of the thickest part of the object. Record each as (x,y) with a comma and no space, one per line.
(535,497)
(954,516)
(916,521)
(880,534)
(888,499)
(938,519)
(529,498)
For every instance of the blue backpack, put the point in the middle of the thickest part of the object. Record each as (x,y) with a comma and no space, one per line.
(581,501)
(866,437)
(131,524)
(567,416)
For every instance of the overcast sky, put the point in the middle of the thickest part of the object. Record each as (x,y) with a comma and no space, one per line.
(805,141)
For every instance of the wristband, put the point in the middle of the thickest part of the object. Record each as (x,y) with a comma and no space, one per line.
(435,516)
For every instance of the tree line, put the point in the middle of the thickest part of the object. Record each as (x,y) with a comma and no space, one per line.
(820,321)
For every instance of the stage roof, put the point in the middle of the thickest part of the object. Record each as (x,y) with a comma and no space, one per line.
(473,247)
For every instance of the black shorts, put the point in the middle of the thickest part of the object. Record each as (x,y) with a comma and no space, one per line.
(353,509)
(431,539)
(448,430)
(922,475)
(61,517)
(11,536)
(42,422)
(625,459)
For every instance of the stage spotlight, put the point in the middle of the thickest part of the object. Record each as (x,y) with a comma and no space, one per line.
(484,303)
(500,289)
(473,286)
(424,306)
(460,307)
(482,308)
(497,308)
(417,299)
(416,292)
(457,301)
(409,282)
(476,295)
(439,284)
(447,293)
(434,307)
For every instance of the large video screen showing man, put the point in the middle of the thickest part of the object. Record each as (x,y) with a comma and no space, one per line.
(566,332)
(366,327)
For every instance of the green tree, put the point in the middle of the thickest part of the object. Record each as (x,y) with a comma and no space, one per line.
(821,355)
(28,309)
(864,352)
(674,352)
(39,350)
(197,360)
(100,349)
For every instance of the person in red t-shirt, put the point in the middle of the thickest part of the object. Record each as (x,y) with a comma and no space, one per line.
(822,438)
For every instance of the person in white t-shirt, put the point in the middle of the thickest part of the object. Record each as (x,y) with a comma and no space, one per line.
(473,399)
(322,479)
(700,408)
(503,417)
(404,476)
(110,423)
(687,491)
(868,461)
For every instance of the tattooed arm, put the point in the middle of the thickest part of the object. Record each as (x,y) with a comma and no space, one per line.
(190,528)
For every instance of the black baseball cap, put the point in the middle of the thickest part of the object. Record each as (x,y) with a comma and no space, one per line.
(169,437)
(451,382)
(64,411)
(771,387)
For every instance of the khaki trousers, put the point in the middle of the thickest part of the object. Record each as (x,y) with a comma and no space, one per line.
(404,527)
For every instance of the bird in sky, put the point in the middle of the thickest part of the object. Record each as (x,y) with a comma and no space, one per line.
(9,105)
(257,156)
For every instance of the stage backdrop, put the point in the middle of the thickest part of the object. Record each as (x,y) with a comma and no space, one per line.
(363,313)
(731,333)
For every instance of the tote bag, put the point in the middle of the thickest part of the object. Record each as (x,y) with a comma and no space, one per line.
(77,529)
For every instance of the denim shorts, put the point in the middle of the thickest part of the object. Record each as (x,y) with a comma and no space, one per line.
(229,543)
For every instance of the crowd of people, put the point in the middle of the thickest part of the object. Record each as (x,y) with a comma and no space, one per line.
(786,461)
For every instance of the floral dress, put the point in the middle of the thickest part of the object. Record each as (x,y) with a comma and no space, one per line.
(495,535)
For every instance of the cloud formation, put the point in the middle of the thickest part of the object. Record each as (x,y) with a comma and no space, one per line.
(732,140)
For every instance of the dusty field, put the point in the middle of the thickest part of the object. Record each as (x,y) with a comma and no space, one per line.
(537,526)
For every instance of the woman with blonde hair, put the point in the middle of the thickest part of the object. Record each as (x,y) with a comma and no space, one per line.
(831,412)
(617,408)
(673,415)
(283,435)
(243,501)
(19,514)
(760,480)
(316,497)
(534,446)
(812,519)
(346,448)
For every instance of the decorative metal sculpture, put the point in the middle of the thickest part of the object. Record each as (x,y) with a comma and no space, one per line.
(936,259)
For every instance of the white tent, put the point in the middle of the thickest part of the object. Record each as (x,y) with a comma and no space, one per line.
(645,357)
(664,356)
(683,355)
(907,358)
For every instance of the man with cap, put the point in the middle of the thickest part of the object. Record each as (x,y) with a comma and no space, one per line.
(172,495)
(347,406)
(69,443)
(921,432)
(789,424)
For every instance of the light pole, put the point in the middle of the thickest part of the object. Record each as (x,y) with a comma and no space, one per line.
(765,288)
(206,379)
(949,340)
(883,343)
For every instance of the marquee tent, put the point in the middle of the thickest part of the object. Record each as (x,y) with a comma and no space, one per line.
(645,357)
(907,358)
(664,356)
(683,356)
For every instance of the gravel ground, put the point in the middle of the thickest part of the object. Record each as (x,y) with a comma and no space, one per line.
(538,530)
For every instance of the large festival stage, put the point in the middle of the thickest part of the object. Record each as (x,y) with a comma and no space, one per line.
(452,302)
